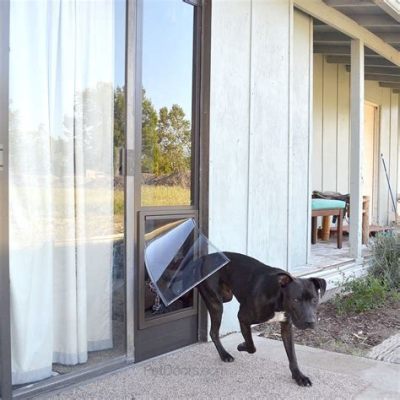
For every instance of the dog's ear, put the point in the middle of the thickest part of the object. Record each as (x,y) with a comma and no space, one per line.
(284,279)
(320,284)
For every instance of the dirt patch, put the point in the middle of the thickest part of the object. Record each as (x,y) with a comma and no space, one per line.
(349,333)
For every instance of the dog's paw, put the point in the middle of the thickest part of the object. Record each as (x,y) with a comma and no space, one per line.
(226,357)
(301,379)
(243,347)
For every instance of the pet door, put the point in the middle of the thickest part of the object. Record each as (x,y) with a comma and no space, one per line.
(178,257)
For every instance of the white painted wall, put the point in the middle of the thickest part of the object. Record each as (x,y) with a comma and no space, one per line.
(259,133)
(331,133)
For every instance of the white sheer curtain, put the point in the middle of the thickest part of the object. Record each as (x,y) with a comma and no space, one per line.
(61,182)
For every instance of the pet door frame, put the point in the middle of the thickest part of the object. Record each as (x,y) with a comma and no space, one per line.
(173,315)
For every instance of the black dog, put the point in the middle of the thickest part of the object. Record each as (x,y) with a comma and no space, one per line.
(262,291)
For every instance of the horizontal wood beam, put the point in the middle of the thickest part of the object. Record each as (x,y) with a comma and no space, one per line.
(368,61)
(330,37)
(390,7)
(340,38)
(375,21)
(339,50)
(344,24)
(394,71)
(366,20)
(383,78)
(349,3)
(389,37)
(391,85)
(396,91)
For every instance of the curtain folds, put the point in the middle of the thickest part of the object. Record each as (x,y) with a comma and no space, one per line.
(61,182)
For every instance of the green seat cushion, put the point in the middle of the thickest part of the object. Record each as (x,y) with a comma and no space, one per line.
(324,204)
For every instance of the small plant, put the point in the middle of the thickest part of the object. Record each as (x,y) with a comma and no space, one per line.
(361,294)
(385,264)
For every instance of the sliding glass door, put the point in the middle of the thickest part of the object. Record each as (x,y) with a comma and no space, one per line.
(66,188)
(167,182)
(5,356)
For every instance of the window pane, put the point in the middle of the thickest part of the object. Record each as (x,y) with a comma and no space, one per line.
(167,103)
(66,198)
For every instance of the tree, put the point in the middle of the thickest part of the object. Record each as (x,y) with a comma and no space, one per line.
(119,117)
(150,147)
(174,139)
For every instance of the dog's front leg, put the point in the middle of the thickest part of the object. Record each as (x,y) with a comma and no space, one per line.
(287,337)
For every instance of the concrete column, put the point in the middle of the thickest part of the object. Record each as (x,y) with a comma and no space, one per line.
(356,145)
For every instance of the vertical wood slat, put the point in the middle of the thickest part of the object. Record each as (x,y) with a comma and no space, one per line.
(329,151)
(269,135)
(343,130)
(384,148)
(229,133)
(5,337)
(317,162)
(394,129)
(356,148)
(300,211)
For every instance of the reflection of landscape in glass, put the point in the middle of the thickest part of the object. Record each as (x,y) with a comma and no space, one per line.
(166,155)
(167,103)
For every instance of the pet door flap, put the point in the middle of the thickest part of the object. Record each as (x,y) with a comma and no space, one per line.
(178,257)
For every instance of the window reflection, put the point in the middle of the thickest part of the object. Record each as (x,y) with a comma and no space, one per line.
(66,204)
(167,103)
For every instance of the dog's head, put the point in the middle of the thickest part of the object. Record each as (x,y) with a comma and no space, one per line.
(301,298)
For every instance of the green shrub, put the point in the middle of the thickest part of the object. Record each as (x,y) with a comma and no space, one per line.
(361,294)
(385,263)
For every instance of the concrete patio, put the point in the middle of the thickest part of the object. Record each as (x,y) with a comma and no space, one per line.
(196,372)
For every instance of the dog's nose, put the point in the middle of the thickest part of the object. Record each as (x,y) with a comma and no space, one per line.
(310,325)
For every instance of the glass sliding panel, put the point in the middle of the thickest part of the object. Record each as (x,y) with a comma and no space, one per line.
(66,196)
(167,76)
(5,337)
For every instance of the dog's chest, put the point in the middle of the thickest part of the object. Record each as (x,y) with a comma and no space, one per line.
(279,316)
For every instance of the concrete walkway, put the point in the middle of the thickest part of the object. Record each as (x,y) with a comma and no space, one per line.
(196,372)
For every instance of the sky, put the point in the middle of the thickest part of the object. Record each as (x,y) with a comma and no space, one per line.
(167,51)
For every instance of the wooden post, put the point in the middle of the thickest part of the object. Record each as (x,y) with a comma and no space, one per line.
(326,227)
(356,144)
(365,220)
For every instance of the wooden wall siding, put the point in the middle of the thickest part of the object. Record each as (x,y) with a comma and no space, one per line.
(299,232)
(229,133)
(394,151)
(331,134)
(259,133)
(229,124)
(269,133)
(317,139)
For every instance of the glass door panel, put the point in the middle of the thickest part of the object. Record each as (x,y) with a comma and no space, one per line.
(67,269)
(167,91)
(168,162)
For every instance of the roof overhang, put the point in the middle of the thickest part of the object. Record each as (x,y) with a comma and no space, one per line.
(376,23)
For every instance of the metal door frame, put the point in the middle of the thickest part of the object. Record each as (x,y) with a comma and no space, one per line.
(5,335)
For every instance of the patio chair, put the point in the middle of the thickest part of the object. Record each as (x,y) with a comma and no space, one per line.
(327,208)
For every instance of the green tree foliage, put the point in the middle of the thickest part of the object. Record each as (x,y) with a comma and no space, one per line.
(174,139)
(150,148)
(166,136)
(119,117)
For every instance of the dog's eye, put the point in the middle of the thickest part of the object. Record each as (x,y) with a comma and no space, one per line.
(314,300)
(296,300)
